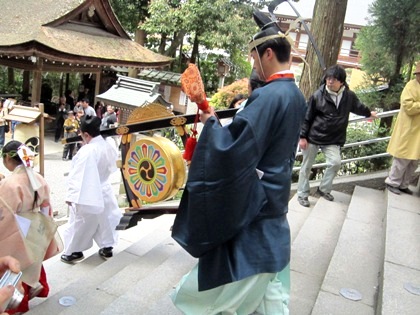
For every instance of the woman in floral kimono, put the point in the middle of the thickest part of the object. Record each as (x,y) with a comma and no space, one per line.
(24,201)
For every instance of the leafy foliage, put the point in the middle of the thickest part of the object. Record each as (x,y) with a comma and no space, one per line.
(5,88)
(390,40)
(131,12)
(360,132)
(203,25)
(225,95)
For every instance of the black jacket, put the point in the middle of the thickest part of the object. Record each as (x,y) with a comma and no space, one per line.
(325,124)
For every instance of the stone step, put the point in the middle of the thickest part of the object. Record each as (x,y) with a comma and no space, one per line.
(402,255)
(312,250)
(357,259)
(144,298)
(298,214)
(82,280)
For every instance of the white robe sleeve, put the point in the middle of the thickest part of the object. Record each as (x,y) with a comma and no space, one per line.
(84,185)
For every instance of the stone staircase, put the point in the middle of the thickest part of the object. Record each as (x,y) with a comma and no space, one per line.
(366,243)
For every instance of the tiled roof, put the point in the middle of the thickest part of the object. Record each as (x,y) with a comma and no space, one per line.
(161,76)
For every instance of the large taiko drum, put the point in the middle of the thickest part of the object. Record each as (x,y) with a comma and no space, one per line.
(154,169)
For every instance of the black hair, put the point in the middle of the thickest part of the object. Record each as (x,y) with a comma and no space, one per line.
(91,125)
(279,45)
(336,72)
(237,98)
(10,148)
(254,80)
(85,100)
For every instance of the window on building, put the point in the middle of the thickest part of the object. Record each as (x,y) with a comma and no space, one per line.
(345,47)
(303,41)
(293,36)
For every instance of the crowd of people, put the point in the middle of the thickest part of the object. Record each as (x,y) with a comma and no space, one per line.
(243,242)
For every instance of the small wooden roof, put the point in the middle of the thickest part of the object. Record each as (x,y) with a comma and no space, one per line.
(131,93)
(51,35)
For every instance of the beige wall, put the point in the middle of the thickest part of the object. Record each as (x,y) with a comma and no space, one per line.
(357,79)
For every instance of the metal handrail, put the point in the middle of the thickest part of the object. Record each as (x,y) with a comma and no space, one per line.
(380,115)
(364,142)
(367,157)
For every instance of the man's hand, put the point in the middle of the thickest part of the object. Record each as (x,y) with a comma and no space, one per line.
(303,144)
(373,115)
(206,115)
(6,293)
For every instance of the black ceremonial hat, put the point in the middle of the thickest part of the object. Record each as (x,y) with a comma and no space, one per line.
(269,30)
(90,124)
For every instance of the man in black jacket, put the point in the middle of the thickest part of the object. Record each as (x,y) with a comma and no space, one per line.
(325,128)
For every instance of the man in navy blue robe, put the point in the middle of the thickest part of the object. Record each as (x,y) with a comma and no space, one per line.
(233,213)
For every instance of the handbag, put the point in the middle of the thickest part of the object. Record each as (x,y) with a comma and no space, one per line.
(6,127)
(39,240)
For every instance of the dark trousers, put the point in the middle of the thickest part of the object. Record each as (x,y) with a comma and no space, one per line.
(59,131)
(69,147)
(68,150)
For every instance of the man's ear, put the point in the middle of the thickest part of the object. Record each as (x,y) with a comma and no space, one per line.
(270,53)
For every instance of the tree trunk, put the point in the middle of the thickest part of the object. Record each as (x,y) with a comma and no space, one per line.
(194,53)
(327,29)
(162,44)
(176,42)
(140,37)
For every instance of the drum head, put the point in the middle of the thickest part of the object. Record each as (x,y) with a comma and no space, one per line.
(154,169)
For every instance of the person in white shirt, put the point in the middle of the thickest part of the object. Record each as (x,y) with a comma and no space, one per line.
(94,211)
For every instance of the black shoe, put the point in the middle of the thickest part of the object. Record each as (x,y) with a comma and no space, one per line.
(71,258)
(303,201)
(393,189)
(406,191)
(106,252)
(327,196)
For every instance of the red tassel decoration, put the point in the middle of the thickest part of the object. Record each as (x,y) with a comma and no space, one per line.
(189,148)
(204,105)
(191,141)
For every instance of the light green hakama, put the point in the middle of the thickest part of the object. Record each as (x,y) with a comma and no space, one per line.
(265,293)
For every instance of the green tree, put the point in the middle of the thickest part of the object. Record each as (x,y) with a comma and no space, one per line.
(192,26)
(396,28)
(390,41)
(389,46)
(130,13)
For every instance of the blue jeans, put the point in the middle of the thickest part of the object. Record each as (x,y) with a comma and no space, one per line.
(332,155)
(2,136)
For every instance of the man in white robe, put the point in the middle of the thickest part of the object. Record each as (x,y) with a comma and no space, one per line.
(94,211)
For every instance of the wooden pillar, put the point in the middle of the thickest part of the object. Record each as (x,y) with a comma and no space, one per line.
(36,87)
(41,139)
(26,84)
(97,87)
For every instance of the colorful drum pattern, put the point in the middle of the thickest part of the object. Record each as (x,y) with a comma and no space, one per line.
(154,169)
